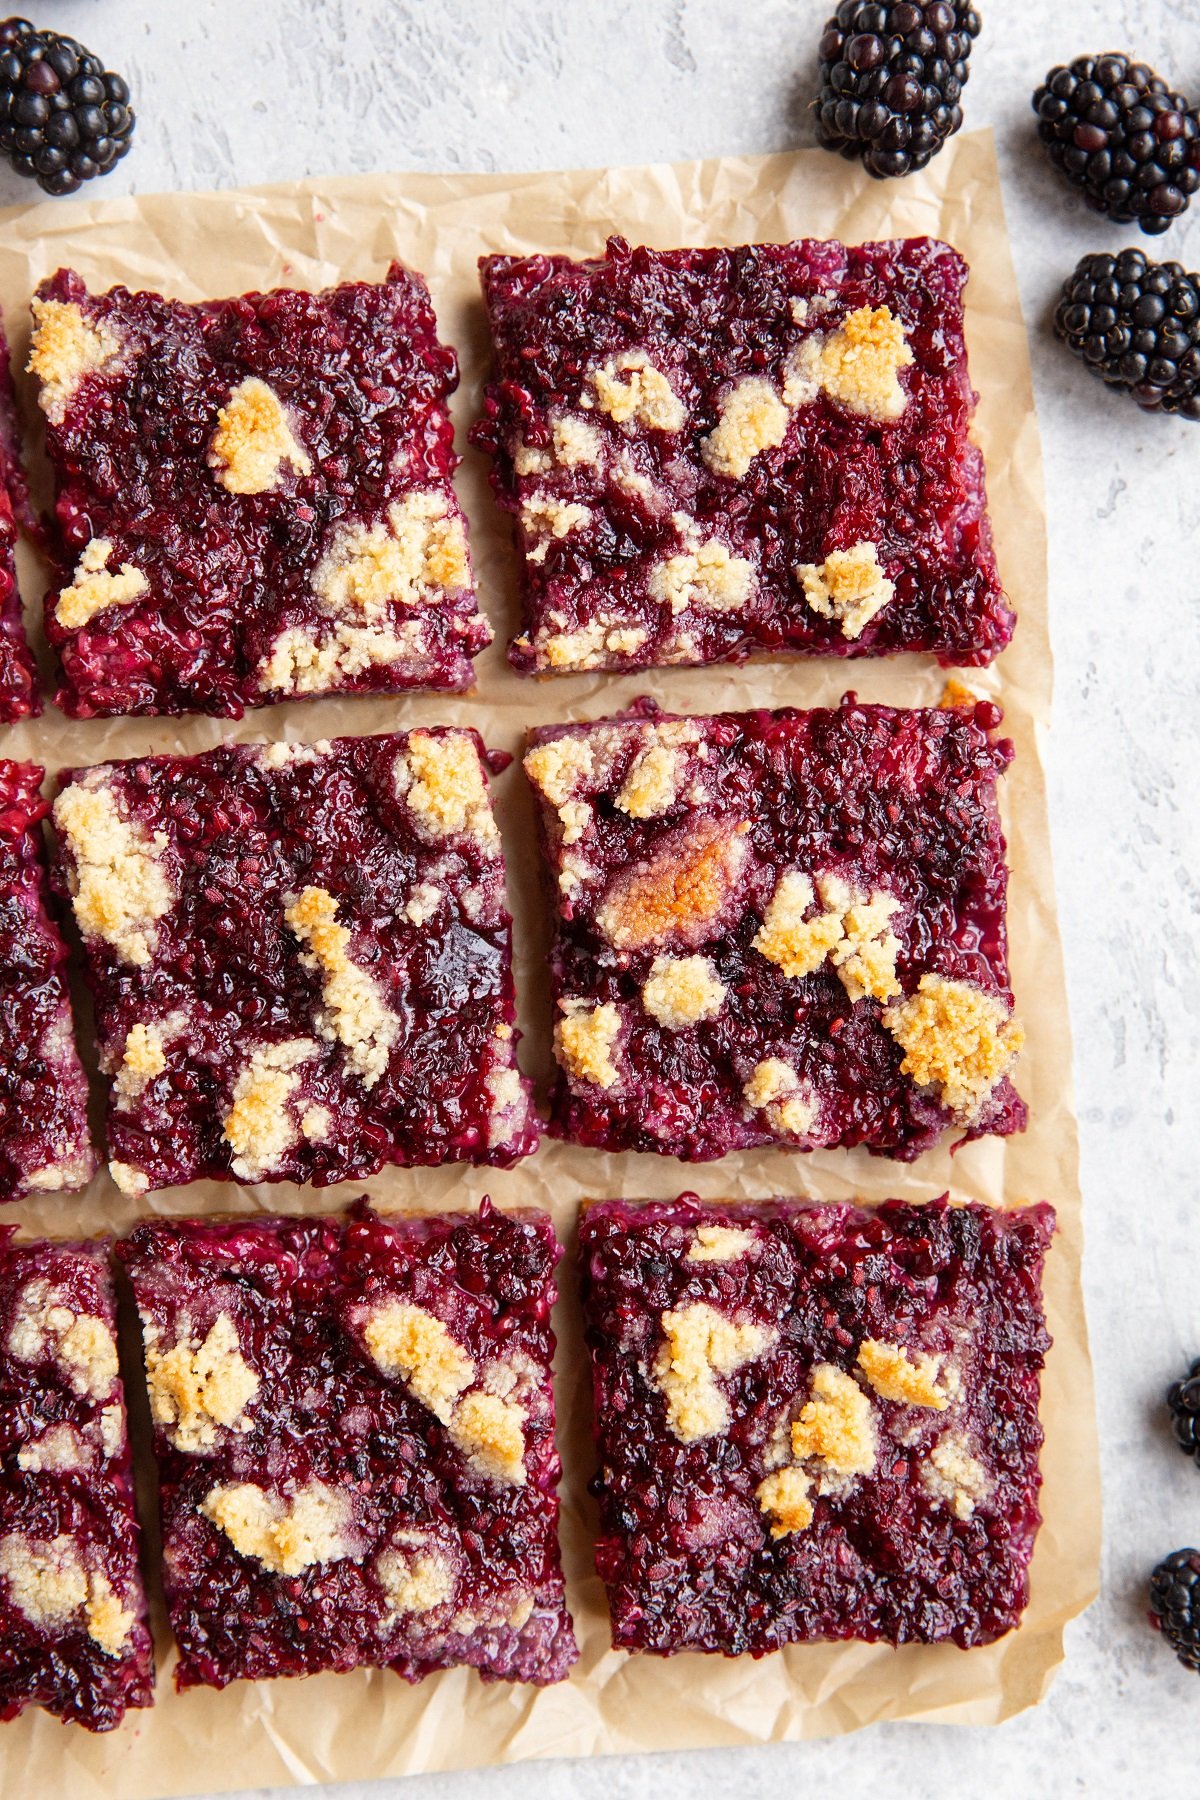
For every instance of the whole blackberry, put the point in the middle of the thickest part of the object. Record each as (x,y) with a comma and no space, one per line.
(1183,1400)
(64,117)
(1136,324)
(1122,137)
(1175,1604)
(892,76)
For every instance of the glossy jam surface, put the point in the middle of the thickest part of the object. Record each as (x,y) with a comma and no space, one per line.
(44,1141)
(709,320)
(241,835)
(363,382)
(55,1662)
(889,800)
(297,1293)
(684,1548)
(19,695)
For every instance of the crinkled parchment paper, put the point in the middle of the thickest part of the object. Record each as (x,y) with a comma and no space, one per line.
(339,1727)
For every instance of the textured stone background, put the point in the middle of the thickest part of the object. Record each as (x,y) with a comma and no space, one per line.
(238,91)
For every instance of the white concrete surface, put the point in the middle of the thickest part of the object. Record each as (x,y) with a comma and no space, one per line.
(236,91)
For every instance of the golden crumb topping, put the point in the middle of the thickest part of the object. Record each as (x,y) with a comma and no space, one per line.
(143,1058)
(309,660)
(413,1344)
(956,1039)
(777,1090)
(652,785)
(681,990)
(355,1013)
(50,1587)
(414,1579)
(909,1377)
(753,419)
(441,777)
(253,440)
(584,1039)
(633,392)
(415,557)
(65,347)
(796,944)
(835,1429)
(707,577)
(783,1496)
(490,1433)
(958,697)
(719,1243)
(109,1623)
(94,588)
(543,519)
(259,1125)
(679,891)
(119,887)
(590,646)
(57,1451)
(198,1389)
(858,365)
(851,928)
(558,766)
(577,443)
(951,1474)
(129,1178)
(44,1325)
(286,1533)
(700,1345)
(849,586)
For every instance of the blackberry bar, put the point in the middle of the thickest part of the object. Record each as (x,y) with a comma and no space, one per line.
(300,958)
(19,694)
(814,1422)
(254,497)
(718,453)
(73,1632)
(778,927)
(45,1145)
(354,1424)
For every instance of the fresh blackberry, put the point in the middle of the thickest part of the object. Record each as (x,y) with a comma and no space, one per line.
(1175,1604)
(1183,1399)
(64,117)
(1120,135)
(892,76)
(1136,324)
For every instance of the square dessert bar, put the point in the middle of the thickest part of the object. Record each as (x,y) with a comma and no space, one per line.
(354,1424)
(254,497)
(814,1422)
(45,1144)
(20,697)
(300,957)
(718,453)
(778,926)
(73,1632)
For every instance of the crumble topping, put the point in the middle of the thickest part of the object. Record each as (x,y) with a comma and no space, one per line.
(835,1429)
(355,1012)
(956,694)
(652,785)
(719,1243)
(253,439)
(59,1450)
(588,647)
(59,1176)
(286,1533)
(415,557)
(950,1473)
(490,1433)
(849,586)
(776,1089)
(128,1178)
(82,1345)
(909,1377)
(408,1342)
(682,990)
(144,1056)
(574,816)
(783,1496)
(259,1126)
(858,365)
(414,1580)
(700,1345)
(65,348)
(707,576)
(852,929)
(557,766)
(119,886)
(632,391)
(197,1389)
(442,781)
(508,1104)
(678,891)
(544,518)
(956,1039)
(306,661)
(753,418)
(584,1040)
(577,443)
(795,944)
(50,1587)
(93,588)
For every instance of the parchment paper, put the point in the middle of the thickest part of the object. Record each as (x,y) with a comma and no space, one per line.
(341,1727)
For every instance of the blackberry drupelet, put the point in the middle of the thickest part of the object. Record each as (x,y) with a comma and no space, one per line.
(1136,324)
(891,79)
(1117,132)
(64,117)
(1183,1400)
(1175,1604)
